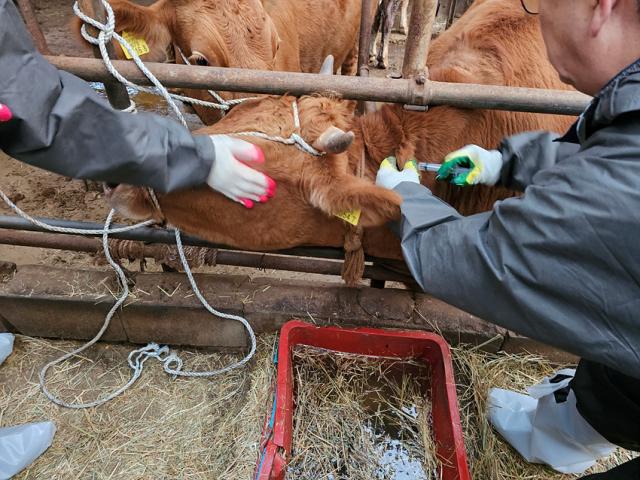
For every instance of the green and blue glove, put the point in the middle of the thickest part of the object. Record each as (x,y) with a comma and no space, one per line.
(390,177)
(479,166)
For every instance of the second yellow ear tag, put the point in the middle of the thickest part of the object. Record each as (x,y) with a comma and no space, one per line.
(138,44)
(352,217)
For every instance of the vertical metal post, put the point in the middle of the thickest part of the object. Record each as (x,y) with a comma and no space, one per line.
(365,38)
(31,20)
(116,92)
(363,47)
(423,14)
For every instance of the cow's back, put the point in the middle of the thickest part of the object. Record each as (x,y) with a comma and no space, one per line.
(323,27)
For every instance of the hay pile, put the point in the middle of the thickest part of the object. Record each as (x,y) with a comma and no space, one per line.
(489,456)
(210,429)
(360,418)
(160,428)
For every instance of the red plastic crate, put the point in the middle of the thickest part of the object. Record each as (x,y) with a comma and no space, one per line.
(428,347)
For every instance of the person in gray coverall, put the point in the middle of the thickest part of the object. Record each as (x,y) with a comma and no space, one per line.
(55,121)
(561,263)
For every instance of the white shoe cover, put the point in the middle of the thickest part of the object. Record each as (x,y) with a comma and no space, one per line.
(6,346)
(22,444)
(544,431)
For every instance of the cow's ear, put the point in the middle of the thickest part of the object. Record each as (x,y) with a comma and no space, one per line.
(372,205)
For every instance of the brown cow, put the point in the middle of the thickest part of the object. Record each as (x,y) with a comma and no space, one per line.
(493,43)
(281,35)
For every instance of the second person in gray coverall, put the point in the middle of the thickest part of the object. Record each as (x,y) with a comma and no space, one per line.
(561,263)
(57,122)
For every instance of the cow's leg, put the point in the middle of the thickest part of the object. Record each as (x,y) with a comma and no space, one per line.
(403,27)
(388,16)
(350,64)
(375,28)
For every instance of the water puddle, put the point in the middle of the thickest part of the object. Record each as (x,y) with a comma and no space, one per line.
(147,102)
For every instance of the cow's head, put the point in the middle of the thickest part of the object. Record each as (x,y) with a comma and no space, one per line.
(221,33)
(311,189)
(224,33)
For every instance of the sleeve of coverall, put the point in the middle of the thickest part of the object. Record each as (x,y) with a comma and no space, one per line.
(60,124)
(517,267)
(525,154)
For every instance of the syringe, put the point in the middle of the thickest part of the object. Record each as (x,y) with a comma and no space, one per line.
(434,167)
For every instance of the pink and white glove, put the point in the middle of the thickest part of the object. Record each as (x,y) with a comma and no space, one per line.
(231,176)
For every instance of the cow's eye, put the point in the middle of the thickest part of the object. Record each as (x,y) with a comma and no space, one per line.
(198,59)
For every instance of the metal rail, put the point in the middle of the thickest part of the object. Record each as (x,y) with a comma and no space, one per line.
(357,88)
(162,236)
(267,261)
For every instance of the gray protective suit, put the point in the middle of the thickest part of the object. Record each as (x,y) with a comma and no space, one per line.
(60,124)
(561,264)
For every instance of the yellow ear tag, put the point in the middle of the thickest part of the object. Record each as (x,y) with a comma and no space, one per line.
(352,217)
(138,44)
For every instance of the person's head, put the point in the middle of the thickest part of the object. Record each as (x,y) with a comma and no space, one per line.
(589,41)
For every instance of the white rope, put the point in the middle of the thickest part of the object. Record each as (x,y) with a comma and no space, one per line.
(77,231)
(172,363)
(294,139)
(227,103)
(174,359)
(140,355)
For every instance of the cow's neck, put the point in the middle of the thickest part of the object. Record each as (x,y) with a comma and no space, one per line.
(428,137)
(394,131)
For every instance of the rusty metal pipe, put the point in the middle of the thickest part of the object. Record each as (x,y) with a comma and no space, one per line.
(356,88)
(264,261)
(423,14)
(364,38)
(31,20)
(153,235)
